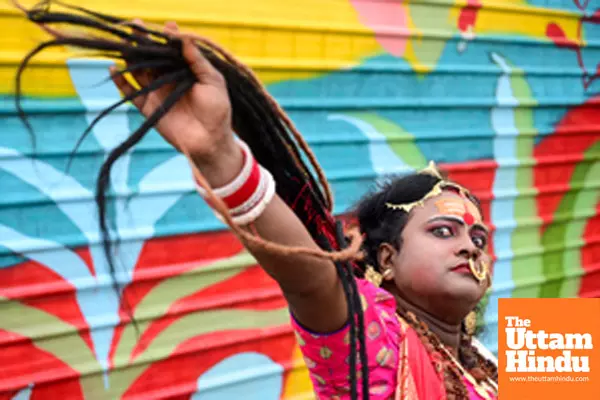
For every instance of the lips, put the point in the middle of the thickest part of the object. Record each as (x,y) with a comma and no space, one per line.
(462,269)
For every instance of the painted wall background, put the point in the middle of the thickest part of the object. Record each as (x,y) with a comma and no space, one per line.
(502,93)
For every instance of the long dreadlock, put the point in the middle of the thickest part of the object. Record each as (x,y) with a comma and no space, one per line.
(256,118)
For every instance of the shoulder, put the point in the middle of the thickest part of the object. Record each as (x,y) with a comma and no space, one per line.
(327,354)
(379,308)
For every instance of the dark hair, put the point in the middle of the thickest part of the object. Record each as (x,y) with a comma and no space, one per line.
(256,118)
(381,224)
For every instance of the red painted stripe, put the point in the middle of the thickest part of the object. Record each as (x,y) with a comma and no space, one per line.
(35,285)
(572,137)
(24,363)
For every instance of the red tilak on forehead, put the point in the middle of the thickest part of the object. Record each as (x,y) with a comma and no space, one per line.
(463,209)
(469,218)
(467,212)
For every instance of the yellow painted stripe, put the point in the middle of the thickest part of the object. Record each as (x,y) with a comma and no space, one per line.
(297,32)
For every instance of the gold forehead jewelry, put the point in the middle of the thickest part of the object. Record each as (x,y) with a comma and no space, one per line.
(431,169)
(435,191)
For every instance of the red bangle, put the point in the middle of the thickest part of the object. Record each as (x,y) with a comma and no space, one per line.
(248,194)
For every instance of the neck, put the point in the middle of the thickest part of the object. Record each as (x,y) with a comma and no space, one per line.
(449,334)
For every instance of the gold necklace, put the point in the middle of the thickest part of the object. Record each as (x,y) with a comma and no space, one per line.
(476,385)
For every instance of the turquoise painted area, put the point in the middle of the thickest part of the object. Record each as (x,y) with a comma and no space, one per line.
(37,220)
(424,105)
(591,33)
(251,376)
(9,258)
(97,306)
(568,5)
(24,394)
(150,152)
(424,118)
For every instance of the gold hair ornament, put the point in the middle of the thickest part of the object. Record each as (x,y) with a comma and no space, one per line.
(432,170)
(436,191)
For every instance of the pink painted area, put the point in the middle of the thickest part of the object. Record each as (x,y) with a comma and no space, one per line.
(386,19)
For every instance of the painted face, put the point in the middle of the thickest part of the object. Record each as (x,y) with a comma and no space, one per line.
(432,269)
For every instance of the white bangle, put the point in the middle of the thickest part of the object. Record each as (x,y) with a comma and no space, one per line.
(239,180)
(254,203)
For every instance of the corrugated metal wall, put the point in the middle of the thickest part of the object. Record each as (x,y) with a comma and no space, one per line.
(502,93)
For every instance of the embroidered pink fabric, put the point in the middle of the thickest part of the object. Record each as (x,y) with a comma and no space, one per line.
(326,355)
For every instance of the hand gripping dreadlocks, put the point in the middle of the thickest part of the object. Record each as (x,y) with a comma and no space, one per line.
(401,322)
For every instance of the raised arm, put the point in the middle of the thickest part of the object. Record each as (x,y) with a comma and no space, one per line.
(199,126)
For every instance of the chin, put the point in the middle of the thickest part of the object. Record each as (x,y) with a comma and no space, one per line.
(467,291)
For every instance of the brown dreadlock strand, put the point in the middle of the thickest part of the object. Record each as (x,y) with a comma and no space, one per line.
(256,118)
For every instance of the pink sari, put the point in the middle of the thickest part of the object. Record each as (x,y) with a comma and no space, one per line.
(400,367)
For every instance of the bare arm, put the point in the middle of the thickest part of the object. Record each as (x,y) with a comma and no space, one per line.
(199,125)
(311,285)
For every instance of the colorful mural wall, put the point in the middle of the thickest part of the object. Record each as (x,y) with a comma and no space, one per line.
(502,93)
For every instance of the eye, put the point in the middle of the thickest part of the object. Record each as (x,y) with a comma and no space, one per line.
(442,231)
(479,241)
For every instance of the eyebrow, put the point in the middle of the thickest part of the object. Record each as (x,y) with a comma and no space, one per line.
(460,221)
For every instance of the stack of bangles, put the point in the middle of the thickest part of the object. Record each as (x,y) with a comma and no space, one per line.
(248,194)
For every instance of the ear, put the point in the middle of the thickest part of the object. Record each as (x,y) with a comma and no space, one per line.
(385,257)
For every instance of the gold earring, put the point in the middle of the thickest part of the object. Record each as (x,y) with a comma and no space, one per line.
(471,323)
(387,274)
(373,276)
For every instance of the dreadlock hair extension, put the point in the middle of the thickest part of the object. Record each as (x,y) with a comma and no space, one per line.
(349,270)
(346,277)
(256,118)
(379,224)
